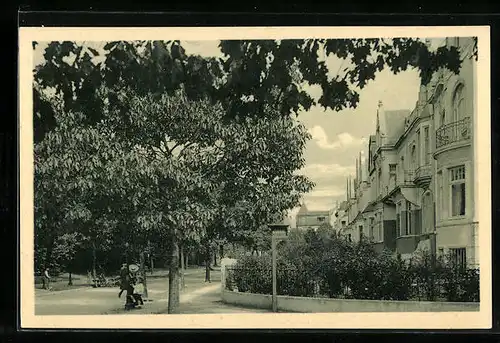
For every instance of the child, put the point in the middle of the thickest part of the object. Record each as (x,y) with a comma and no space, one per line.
(139,291)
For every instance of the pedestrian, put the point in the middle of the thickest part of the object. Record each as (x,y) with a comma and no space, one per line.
(139,291)
(131,301)
(124,279)
(46,279)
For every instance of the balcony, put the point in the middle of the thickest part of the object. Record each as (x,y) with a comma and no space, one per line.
(423,175)
(406,179)
(456,132)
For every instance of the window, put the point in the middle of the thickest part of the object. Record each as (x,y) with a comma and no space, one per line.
(428,224)
(360,232)
(408,219)
(371,228)
(440,197)
(392,176)
(343,223)
(418,148)
(459,257)
(379,181)
(413,156)
(457,184)
(321,219)
(379,227)
(426,146)
(442,119)
(459,103)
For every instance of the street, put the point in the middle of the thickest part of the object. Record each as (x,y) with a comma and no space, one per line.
(197,297)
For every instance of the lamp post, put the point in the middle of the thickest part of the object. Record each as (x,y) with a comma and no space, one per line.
(279,232)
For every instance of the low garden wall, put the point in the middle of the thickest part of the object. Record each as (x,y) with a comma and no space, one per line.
(318,305)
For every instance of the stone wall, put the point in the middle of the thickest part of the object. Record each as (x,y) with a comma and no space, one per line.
(325,305)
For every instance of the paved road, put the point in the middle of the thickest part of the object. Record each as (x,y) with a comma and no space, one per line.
(197,297)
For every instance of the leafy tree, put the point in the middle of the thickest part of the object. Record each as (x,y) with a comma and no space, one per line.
(250,75)
(67,247)
(204,166)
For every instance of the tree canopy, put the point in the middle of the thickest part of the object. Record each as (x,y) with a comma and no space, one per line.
(250,75)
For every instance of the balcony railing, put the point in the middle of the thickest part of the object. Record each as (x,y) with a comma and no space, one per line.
(423,172)
(454,132)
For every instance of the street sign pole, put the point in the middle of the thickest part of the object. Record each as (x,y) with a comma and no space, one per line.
(275,293)
(278,233)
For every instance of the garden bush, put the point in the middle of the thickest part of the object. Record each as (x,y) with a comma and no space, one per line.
(313,264)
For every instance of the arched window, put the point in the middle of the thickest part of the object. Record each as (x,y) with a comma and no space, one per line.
(413,156)
(428,212)
(459,103)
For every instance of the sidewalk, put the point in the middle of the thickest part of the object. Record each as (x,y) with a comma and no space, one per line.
(105,300)
(197,297)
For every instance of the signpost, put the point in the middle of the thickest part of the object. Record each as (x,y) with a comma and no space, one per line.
(279,233)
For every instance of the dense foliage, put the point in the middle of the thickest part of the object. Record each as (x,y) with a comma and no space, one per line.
(322,264)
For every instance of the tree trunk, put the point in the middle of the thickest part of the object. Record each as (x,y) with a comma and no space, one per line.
(207,264)
(187,261)
(152,264)
(173,278)
(143,274)
(70,281)
(221,251)
(94,261)
(183,284)
(207,270)
(50,249)
(215,258)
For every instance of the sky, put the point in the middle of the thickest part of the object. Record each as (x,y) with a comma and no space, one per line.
(337,137)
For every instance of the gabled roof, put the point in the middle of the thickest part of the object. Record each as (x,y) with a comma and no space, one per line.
(393,123)
(303,209)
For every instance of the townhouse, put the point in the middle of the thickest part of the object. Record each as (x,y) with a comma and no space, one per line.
(306,219)
(416,189)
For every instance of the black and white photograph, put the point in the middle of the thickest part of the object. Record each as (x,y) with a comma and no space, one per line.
(228,178)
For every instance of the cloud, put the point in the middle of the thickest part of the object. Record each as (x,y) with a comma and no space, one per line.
(343,140)
(329,171)
(327,192)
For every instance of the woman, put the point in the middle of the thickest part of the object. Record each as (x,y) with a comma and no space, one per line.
(46,279)
(124,279)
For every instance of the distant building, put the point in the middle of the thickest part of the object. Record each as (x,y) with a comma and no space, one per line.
(311,219)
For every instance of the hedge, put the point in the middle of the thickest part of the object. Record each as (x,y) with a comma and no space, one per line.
(325,265)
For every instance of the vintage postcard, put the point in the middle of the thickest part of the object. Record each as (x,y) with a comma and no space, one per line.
(255,177)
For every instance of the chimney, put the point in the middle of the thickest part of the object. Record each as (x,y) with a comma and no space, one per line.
(360,169)
(378,115)
(356,180)
(347,189)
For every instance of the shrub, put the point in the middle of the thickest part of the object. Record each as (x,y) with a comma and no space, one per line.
(323,264)
(252,274)
(459,284)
